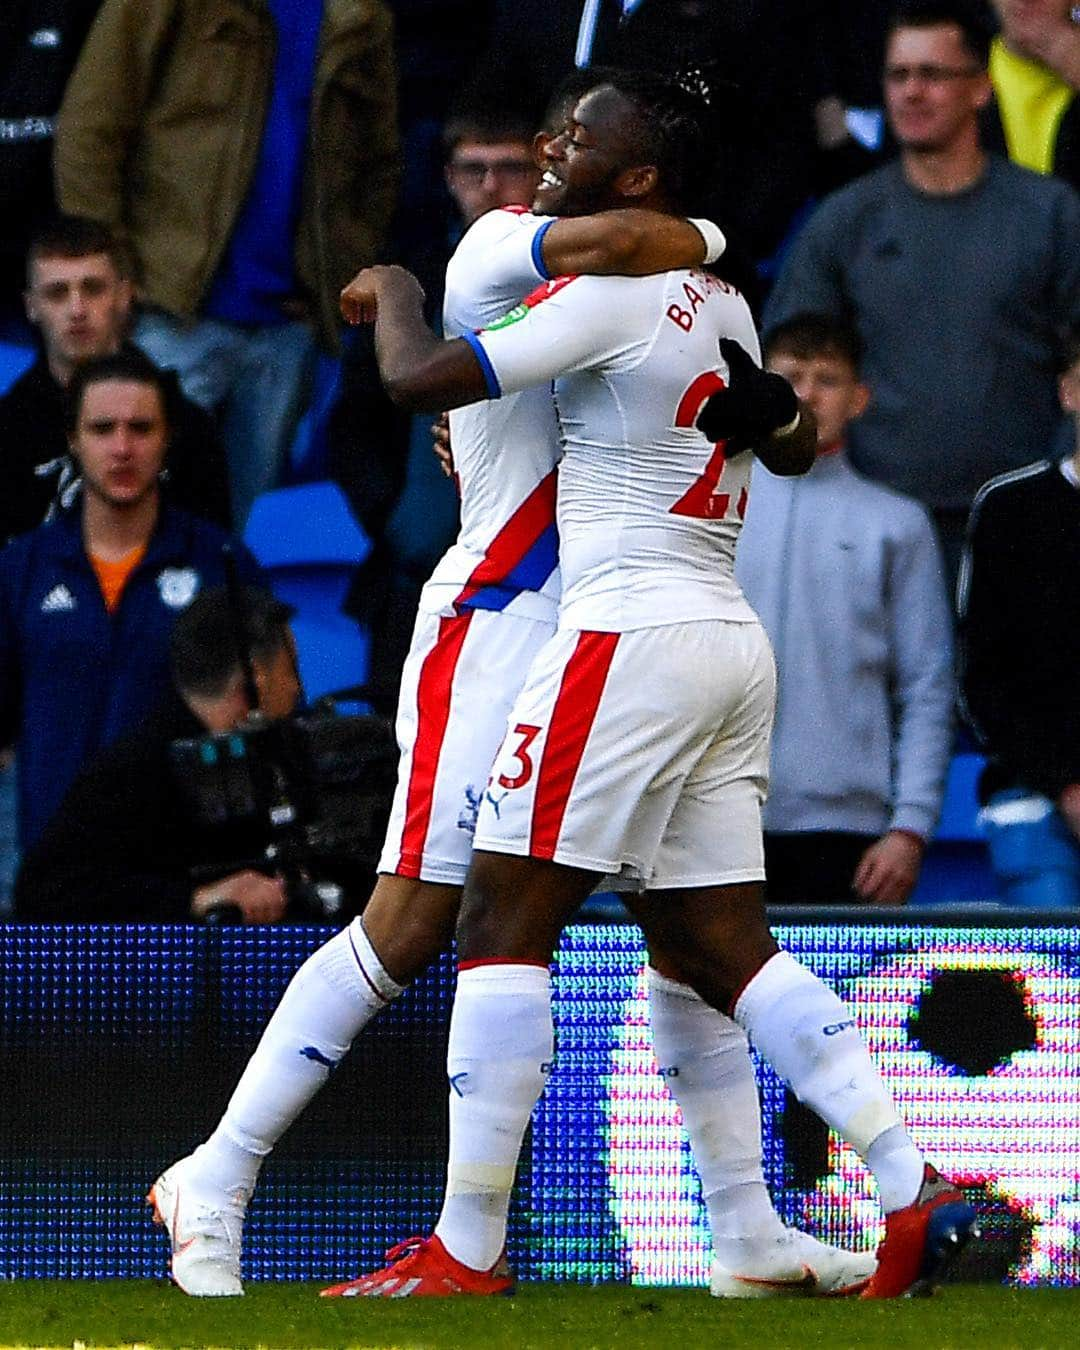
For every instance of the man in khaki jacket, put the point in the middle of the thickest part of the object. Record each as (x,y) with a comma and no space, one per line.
(246,151)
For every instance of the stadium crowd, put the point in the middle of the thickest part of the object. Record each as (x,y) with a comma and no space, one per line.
(187,188)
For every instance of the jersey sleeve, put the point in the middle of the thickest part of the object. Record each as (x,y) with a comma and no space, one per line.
(569,324)
(498,260)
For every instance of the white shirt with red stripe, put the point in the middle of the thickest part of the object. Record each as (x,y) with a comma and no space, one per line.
(505,557)
(649,511)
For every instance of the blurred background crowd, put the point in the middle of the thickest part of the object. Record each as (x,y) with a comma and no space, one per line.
(187,184)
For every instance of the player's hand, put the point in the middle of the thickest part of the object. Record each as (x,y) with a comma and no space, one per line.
(359,300)
(259,898)
(1069,806)
(440,444)
(755,404)
(888,870)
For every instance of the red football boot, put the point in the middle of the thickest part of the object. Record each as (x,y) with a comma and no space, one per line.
(423,1268)
(923,1240)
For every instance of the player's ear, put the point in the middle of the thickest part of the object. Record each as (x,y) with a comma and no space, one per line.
(638,182)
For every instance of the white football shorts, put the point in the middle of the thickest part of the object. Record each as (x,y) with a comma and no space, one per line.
(458,685)
(642,754)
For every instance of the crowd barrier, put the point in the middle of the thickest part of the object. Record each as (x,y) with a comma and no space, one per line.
(119,1046)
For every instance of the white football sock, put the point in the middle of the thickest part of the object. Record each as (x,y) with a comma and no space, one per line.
(330,999)
(705,1059)
(810,1038)
(498,1058)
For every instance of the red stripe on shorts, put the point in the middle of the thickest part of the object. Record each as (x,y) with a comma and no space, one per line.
(432,716)
(571,721)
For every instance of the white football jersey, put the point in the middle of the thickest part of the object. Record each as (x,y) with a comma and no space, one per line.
(506,553)
(648,510)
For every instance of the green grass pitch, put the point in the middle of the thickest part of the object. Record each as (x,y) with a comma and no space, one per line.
(84,1314)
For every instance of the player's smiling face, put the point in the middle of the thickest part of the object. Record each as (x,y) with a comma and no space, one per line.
(584,166)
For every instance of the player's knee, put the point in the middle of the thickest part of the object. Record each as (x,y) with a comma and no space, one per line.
(409,924)
(718,975)
(482,929)
(497,920)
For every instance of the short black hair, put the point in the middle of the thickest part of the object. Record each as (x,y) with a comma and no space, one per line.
(74,237)
(675,125)
(811,334)
(971,17)
(129,364)
(565,95)
(205,645)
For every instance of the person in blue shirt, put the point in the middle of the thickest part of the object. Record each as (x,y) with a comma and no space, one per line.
(88,600)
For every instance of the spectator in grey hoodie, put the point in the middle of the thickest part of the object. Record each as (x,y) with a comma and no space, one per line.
(847,577)
(958,268)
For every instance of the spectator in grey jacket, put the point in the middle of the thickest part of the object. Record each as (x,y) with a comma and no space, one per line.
(846,576)
(959,270)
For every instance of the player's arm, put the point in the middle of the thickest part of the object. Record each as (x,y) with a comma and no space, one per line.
(627,242)
(759,411)
(420,371)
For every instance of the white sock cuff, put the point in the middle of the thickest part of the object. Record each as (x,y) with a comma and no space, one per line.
(775,977)
(660,984)
(664,987)
(506,977)
(366,959)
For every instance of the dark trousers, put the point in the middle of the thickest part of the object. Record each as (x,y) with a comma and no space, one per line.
(813,868)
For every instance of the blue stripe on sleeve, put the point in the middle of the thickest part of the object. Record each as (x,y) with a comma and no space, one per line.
(537,255)
(490,378)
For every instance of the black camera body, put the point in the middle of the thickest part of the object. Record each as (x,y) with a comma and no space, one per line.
(308,796)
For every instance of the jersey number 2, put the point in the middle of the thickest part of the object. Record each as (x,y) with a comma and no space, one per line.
(702,499)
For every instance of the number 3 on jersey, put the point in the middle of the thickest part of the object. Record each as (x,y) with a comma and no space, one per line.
(703,500)
(528,734)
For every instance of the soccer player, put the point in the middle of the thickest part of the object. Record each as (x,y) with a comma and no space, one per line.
(488,608)
(639,742)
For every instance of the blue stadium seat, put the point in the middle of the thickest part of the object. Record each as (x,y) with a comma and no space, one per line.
(960,809)
(309,543)
(14,359)
(309,454)
(956,869)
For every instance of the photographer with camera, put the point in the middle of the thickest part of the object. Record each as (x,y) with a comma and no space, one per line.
(192,816)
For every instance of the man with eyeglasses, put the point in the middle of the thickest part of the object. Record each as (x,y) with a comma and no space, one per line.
(959,270)
(489,160)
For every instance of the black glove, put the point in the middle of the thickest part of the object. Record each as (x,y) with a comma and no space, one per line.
(754,405)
